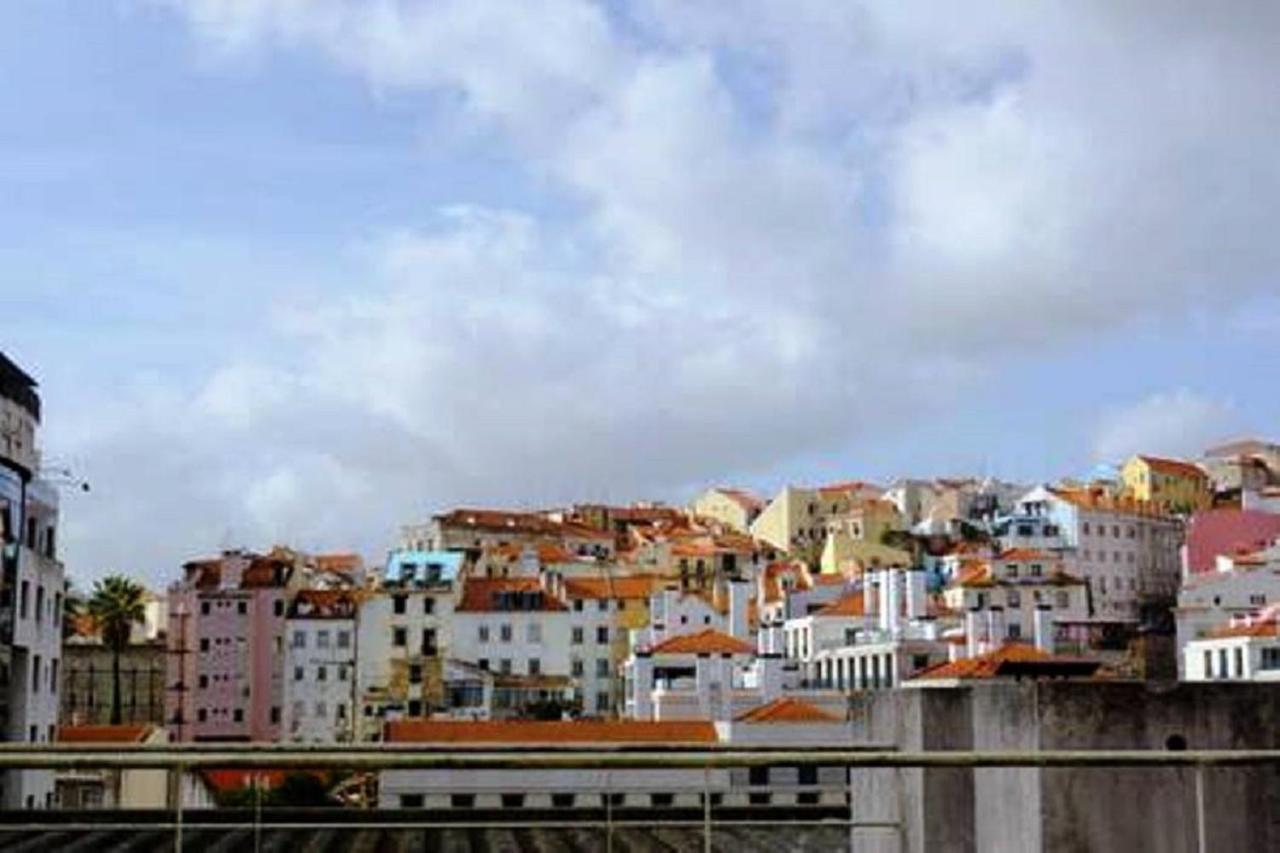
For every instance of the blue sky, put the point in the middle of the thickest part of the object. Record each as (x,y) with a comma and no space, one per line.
(306,271)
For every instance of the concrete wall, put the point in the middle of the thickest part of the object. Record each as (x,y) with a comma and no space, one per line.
(1071,809)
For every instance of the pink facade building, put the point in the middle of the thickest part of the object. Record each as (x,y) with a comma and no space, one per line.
(226,648)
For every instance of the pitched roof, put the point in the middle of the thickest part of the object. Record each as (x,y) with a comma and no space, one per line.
(706,641)
(1009,659)
(551,731)
(1268,627)
(1175,467)
(852,604)
(482,595)
(132,733)
(787,710)
(1097,499)
(342,563)
(324,604)
(743,498)
(627,586)
(1028,554)
(1223,531)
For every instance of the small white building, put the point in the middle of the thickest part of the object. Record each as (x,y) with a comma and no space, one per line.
(1247,649)
(1242,585)
(320,667)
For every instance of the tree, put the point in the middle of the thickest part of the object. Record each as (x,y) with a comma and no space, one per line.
(116,604)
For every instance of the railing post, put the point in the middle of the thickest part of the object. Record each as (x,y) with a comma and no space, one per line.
(175,800)
(1202,833)
(853,814)
(608,813)
(706,809)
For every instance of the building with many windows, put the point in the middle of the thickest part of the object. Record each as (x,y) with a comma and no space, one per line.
(320,667)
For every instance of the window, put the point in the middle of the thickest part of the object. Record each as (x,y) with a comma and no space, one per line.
(400,637)
(562,801)
(602,634)
(483,633)
(602,667)
(322,710)
(576,668)
(322,639)
(807,775)
(1012,570)
(602,701)
(1257,599)
(415,707)
(1036,570)
(299,639)
(483,663)
(398,604)
(428,605)
(577,605)
(1270,658)
(202,715)
(1015,631)
(535,666)
(415,674)
(298,673)
(204,607)
(322,673)
(278,607)
(429,642)
(1014,598)
(1208,664)
(602,605)
(204,681)
(344,639)
(237,715)
(1084,528)
(39,604)
(504,633)
(1223,672)
(534,632)
(242,607)
(758,776)
(275,714)
(204,644)
(1239,656)
(462,801)
(342,672)
(576,637)
(411,801)
(22,602)
(513,801)
(1063,600)
(342,711)
(35,673)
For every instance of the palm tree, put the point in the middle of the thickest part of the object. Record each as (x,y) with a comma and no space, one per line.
(116,604)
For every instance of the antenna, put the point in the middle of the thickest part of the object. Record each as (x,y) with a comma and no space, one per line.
(62,475)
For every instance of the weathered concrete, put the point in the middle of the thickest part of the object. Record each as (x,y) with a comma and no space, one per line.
(1016,809)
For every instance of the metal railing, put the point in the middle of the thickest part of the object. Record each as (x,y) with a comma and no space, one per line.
(178,760)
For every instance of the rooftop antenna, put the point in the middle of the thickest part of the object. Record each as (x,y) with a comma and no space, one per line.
(63,476)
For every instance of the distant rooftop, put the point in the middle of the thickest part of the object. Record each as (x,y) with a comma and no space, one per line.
(17,385)
(422,567)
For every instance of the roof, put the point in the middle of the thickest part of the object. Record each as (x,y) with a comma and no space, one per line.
(132,733)
(846,486)
(551,731)
(1268,627)
(422,567)
(342,563)
(481,595)
(1027,554)
(1097,499)
(852,604)
(787,710)
(1011,659)
(225,780)
(324,604)
(706,641)
(743,498)
(1226,531)
(1175,467)
(628,586)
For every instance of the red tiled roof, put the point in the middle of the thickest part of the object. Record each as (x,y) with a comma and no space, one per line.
(628,586)
(1094,498)
(848,605)
(225,780)
(743,498)
(787,710)
(343,563)
(132,733)
(1268,627)
(706,641)
(1028,554)
(997,662)
(479,594)
(1176,467)
(845,486)
(1224,531)
(550,731)
(325,604)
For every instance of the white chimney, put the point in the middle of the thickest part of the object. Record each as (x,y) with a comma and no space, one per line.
(883,602)
(739,593)
(642,687)
(1044,628)
(917,597)
(973,631)
(995,627)
(893,601)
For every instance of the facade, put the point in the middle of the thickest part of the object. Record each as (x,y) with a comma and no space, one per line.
(1248,649)
(737,509)
(1171,484)
(405,626)
(31,590)
(122,789)
(87,678)
(320,667)
(470,530)
(797,518)
(1242,585)
(602,613)
(226,637)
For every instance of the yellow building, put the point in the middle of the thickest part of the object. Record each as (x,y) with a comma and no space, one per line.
(734,508)
(1171,484)
(798,519)
(844,555)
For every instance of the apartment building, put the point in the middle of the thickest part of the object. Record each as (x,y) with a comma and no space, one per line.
(797,518)
(31,590)
(603,610)
(1246,649)
(320,667)
(1172,485)
(737,509)
(88,672)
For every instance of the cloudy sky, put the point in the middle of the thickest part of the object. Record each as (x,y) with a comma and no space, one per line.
(302,270)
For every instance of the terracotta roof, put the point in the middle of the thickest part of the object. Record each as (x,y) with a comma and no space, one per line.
(265,572)
(547,551)
(224,780)
(787,710)
(845,486)
(481,595)
(1268,627)
(1222,531)
(707,641)
(324,604)
(629,586)
(1175,467)
(342,563)
(552,731)
(1004,661)
(848,605)
(1028,554)
(105,734)
(743,498)
(1095,498)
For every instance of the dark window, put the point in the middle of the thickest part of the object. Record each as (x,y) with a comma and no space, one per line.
(202,714)
(278,607)
(242,607)
(204,644)
(807,798)
(462,801)
(428,604)
(612,799)
(562,801)
(415,674)
(759,799)
(662,799)
(204,608)
(415,707)
(758,776)
(398,603)
(238,715)
(411,801)
(807,775)
(275,713)
(512,801)
(399,637)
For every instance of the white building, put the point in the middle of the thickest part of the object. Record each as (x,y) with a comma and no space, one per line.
(1248,649)
(602,612)
(33,588)
(1242,585)
(320,667)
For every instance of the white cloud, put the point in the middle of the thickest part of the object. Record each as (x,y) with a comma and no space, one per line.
(792,224)
(1179,423)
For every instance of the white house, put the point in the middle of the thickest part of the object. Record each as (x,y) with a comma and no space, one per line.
(1248,649)
(320,667)
(1242,585)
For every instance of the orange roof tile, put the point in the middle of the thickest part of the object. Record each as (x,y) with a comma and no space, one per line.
(707,641)
(224,780)
(105,734)
(1028,554)
(1269,627)
(743,498)
(628,586)
(1175,467)
(787,710)
(550,731)
(991,664)
(342,563)
(848,605)
(479,595)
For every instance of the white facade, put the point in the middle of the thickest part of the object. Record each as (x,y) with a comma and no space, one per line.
(1241,586)
(593,629)
(1249,654)
(320,680)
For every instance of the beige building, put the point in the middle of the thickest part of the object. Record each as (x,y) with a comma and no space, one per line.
(798,519)
(735,508)
(122,789)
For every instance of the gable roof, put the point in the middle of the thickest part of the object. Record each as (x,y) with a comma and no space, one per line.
(627,586)
(551,731)
(706,641)
(1175,467)
(787,710)
(481,595)
(1011,659)
(852,604)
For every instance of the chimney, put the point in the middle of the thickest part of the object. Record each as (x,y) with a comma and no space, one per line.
(883,602)
(917,596)
(642,687)
(1044,628)
(771,677)
(739,591)
(869,602)
(995,627)
(893,600)
(973,631)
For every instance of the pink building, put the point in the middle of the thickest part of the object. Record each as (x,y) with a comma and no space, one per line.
(1223,532)
(226,643)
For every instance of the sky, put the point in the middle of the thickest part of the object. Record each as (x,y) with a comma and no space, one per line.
(305,270)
